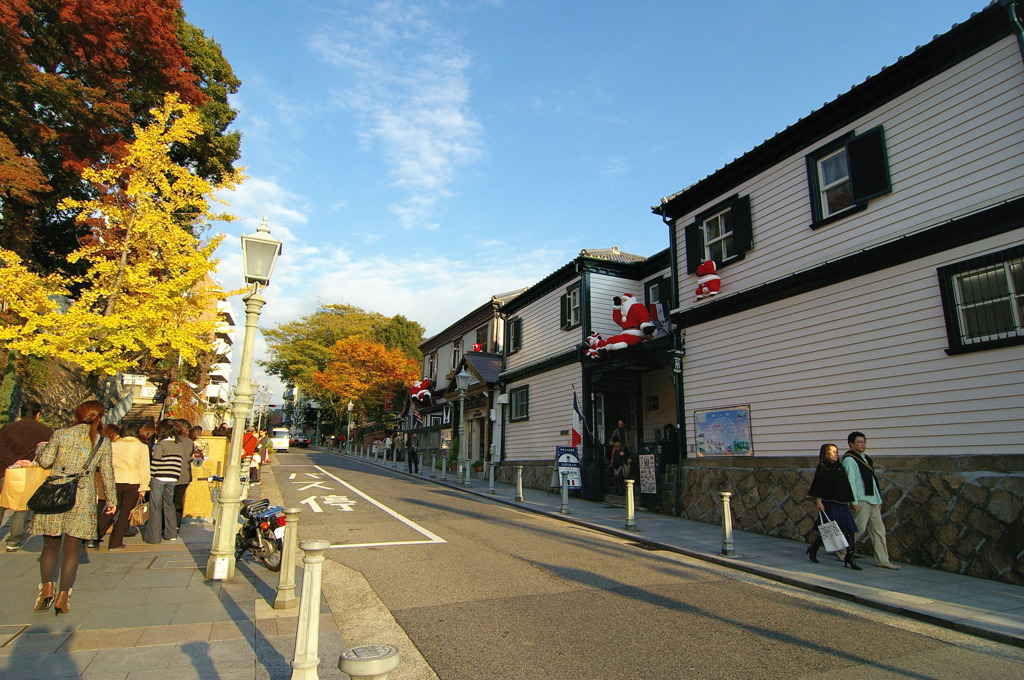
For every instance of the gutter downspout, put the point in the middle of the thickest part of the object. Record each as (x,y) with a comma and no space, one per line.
(677,368)
(1018,30)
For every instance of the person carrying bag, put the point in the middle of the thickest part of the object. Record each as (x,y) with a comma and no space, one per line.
(59,492)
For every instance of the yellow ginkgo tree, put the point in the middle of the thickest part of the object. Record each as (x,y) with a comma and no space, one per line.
(140,293)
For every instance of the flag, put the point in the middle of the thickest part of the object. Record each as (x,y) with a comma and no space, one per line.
(417,419)
(576,437)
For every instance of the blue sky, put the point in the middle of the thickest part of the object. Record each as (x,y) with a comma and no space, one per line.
(417,157)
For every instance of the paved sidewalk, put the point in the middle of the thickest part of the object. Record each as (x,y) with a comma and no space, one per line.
(970,605)
(148,612)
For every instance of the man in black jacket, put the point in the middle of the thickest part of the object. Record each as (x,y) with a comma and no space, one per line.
(18,441)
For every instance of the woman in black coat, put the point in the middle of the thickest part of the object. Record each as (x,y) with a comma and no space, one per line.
(831,491)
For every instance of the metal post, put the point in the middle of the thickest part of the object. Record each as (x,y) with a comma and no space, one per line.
(519,483)
(221,565)
(727,544)
(286,583)
(463,444)
(444,468)
(630,517)
(307,637)
(490,477)
(564,474)
(433,465)
(369,662)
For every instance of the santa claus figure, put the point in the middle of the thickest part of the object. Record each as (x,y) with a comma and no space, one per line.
(635,321)
(420,391)
(708,283)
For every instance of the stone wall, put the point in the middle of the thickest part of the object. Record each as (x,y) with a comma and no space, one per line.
(962,514)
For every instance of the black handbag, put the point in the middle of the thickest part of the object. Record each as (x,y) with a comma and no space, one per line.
(54,497)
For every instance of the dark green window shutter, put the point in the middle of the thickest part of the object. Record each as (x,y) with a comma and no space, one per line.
(563,321)
(869,169)
(694,247)
(742,229)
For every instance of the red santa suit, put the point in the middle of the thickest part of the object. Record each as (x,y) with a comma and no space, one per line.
(635,321)
(708,282)
(420,390)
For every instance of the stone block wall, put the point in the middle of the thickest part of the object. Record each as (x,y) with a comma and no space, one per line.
(962,514)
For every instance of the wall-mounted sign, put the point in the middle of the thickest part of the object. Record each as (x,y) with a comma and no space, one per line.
(723,431)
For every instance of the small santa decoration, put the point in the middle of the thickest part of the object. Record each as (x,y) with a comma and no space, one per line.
(420,390)
(708,281)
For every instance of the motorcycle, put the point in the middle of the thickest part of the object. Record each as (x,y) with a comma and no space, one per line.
(261,533)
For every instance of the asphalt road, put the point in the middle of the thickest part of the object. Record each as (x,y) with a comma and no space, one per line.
(486,591)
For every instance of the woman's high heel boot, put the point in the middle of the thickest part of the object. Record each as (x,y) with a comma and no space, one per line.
(45,599)
(812,550)
(848,561)
(62,605)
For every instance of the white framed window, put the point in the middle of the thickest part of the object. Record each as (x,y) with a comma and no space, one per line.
(456,353)
(718,236)
(723,233)
(835,191)
(514,329)
(431,367)
(519,403)
(571,308)
(983,299)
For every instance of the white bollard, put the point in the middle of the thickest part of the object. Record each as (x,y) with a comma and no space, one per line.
(630,511)
(433,466)
(444,468)
(490,476)
(564,474)
(369,662)
(286,582)
(727,543)
(519,483)
(307,637)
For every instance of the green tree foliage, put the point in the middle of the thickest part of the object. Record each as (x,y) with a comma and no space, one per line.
(76,77)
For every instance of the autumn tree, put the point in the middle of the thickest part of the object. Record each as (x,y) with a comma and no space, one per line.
(364,371)
(140,291)
(76,78)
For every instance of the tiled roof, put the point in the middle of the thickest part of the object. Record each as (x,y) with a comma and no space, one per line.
(612,254)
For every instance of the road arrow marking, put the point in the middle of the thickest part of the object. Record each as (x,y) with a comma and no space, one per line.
(311,502)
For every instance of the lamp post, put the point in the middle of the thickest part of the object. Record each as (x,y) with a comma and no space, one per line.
(462,381)
(348,436)
(259,255)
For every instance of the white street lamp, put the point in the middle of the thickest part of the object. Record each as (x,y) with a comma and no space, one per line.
(259,255)
(462,382)
(348,436)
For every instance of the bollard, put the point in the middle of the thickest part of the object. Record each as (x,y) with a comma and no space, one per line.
(519,483)
(444,469)
(565,492)
(490,483)
(727,544)
(433,466)
(286,582)
(466,476)
(307,637)
(630,514)
(369,662)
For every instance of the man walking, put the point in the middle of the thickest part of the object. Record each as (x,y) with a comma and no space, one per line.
(18,442)
(867,500)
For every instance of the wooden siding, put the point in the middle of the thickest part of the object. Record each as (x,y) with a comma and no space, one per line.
(542,336)
(954,146)
(867,354)
(550,414)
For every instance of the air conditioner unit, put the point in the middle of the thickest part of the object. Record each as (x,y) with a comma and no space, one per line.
(503,398)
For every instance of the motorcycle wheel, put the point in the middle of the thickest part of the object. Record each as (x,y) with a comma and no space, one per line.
(270,556)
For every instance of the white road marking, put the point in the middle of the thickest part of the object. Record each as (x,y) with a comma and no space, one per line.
(318,485)
(313,505)
(430,536)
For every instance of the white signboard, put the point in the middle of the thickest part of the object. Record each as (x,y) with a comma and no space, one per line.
(567,459)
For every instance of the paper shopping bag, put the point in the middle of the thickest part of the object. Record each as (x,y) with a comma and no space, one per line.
(19,485)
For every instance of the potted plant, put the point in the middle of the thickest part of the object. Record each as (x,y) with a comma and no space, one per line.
(478,466)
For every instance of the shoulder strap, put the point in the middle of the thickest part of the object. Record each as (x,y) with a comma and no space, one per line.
(92,456)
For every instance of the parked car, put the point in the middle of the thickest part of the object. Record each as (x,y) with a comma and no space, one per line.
(299,439)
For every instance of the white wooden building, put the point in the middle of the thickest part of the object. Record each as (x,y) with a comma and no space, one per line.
(872,263)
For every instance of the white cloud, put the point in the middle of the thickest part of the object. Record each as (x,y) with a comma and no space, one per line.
(407,83)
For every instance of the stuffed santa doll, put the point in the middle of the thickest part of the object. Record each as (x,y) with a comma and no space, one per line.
(708,283)
(420,390)
(635,321)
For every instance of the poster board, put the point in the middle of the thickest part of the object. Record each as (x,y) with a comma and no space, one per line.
(648,473)
(723,431)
